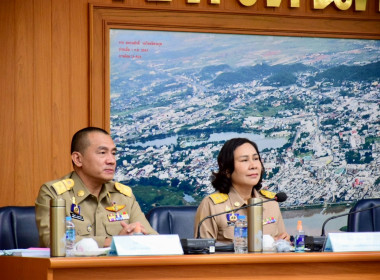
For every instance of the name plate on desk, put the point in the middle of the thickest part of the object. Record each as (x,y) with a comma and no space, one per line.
(146,245)
(352,242)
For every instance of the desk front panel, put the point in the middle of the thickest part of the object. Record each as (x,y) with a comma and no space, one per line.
(219,266)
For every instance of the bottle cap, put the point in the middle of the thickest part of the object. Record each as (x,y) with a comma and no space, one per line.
(299,225)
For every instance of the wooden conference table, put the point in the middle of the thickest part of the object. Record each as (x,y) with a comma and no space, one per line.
(357,265)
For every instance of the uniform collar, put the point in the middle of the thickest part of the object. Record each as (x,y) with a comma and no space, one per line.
(235,198)
(81,192)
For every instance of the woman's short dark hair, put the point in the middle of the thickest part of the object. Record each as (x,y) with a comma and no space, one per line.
(221,180)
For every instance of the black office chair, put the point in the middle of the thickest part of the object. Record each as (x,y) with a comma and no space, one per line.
(367,220)
(18,228)
(173,220)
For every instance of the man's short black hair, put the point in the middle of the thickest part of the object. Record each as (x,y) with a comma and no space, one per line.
(80,141)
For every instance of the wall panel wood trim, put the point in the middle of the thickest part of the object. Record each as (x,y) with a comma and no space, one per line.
(42,134)
(104,17)
(79,38)
(24,99)
(7,103)
(61,86)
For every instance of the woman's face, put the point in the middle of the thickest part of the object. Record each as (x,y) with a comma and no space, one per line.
(247,166)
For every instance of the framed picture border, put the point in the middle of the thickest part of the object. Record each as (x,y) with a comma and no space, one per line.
(103,18)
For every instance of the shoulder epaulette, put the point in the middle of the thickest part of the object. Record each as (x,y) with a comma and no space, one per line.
(218,197)
(123,189)
(63,186)
(267,194)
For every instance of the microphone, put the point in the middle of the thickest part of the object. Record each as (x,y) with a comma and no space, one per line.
(279,197)
(346,214)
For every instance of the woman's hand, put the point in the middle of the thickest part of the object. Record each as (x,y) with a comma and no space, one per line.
(283,235)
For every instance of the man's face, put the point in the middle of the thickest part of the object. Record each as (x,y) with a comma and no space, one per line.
(98,161)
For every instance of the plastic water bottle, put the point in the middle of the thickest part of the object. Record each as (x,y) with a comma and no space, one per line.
(241,235)
(70,236)
(299,245)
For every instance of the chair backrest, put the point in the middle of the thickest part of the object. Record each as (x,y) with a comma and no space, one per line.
(173,220)
(18,228)
(365,221)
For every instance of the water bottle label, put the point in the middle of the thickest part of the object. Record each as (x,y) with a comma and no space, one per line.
(241,236)
(300,243)
(70,234)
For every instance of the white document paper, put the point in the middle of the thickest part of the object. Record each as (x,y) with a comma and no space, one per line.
(36,252)
(146,245)
(352,242)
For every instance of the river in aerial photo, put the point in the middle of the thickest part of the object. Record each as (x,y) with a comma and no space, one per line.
(313,219)
(261,141)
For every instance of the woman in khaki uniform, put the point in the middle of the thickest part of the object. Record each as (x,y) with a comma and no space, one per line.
(238,179)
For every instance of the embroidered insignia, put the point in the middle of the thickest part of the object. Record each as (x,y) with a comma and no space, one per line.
(268,194)
(115,207)
(232,217)
(75,208)
(63,186)
(218,197)
(127,191)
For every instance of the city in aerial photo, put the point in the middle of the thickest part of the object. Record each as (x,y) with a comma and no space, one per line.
(310,104)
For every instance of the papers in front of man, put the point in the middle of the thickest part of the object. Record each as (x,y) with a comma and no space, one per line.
(146,245)
(31,252)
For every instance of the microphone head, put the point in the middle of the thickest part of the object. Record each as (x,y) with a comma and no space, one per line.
(281,197)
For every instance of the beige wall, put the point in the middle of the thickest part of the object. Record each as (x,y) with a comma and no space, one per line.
(45,81)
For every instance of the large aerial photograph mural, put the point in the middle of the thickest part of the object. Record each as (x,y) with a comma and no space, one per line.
(310,104)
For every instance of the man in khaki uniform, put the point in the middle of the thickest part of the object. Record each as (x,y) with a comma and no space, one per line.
(221,229)
(99,207)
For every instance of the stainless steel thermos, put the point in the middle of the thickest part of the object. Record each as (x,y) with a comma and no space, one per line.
(255,225)
(57,227)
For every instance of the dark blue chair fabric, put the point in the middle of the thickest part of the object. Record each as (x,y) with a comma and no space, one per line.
(18,228)
(365,221)
(173,220)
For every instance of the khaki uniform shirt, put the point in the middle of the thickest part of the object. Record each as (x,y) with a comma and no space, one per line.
(95,224)
(221,230)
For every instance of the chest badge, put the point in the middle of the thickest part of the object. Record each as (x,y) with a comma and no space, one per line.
(115,207)
(268,221)
(75,211)
(114,217)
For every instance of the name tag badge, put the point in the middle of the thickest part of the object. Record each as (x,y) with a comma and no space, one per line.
(76,216)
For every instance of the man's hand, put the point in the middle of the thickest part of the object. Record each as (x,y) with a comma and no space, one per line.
(128,229)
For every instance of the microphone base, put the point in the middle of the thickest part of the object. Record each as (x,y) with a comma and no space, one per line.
(198,246)
(315,243)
